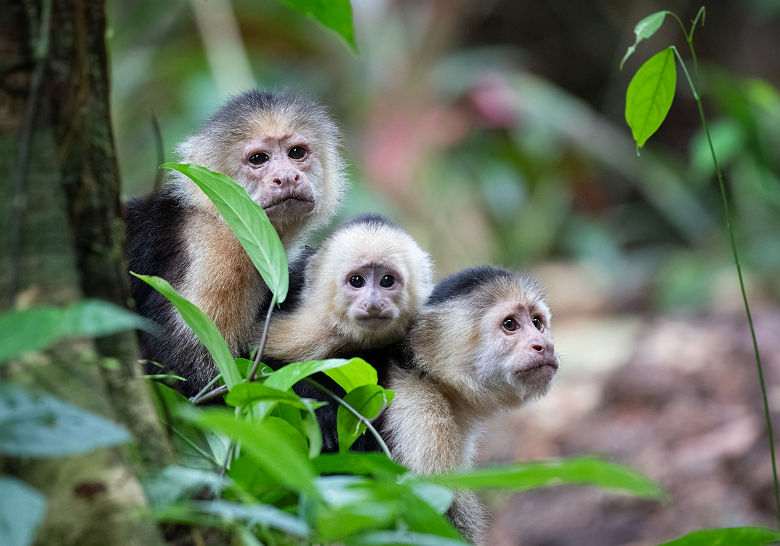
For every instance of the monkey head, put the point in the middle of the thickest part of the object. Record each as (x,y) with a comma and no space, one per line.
(373,277)
(485,332)
(283,149)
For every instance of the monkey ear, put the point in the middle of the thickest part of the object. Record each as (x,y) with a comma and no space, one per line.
(249,224)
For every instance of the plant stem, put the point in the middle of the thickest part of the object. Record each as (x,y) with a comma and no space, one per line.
(354,412)
(260,348)
(211,394)
(687,76)
(203,392)
(729,228)
(735,254)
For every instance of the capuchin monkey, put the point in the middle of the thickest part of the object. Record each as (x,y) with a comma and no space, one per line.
(354,296)
(283,149)
(358,291)
(480,345)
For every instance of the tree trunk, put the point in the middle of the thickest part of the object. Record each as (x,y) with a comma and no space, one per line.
(62,214)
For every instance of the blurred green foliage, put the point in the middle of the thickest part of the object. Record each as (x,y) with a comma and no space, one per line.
(494,133)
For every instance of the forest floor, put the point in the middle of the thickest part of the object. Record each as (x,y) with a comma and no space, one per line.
(676,397)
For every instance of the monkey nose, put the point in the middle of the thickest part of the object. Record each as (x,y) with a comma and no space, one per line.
(538,347)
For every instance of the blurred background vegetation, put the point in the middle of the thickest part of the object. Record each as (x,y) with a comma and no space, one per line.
(493,131)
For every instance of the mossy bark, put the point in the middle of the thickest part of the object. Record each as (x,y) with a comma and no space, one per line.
(60,210)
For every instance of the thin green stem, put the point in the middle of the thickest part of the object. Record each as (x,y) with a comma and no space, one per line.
(222,389)
(687,76)
(205,395)
(689,38)
(260,348)
(354,412)
(729,228)
(202,394)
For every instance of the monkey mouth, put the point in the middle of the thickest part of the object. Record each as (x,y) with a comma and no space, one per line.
(540,370)
(374,322)
(293,202)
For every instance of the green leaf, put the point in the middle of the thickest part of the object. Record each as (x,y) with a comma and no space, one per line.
(248,393)
(21,512)
(294,436)
(287,376)
(203,326)
(644,29)
(333,14)
(374,464)
(355,373)
(271,448)
(256,514)
(438,497)
(38,425)
(173,483)
(650,95)
(585,471)
(353,504)
(38,328)
(744,536)
(420,515)
(192,444)
(405,538)
(244,365)
(248,222)
(368,400)
(311,427)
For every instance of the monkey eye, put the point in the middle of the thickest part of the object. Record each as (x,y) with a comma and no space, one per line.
(258,158)
(357,281)
(296,152)
(387,281)
(510,324)
(538,322)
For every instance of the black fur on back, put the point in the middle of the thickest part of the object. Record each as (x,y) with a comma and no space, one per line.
(464,282)
(155,247)
(151,249)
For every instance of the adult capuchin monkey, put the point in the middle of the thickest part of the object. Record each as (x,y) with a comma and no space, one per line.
(284,150)
(354,296)
(480,345)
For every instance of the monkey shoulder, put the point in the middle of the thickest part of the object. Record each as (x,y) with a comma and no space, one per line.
(155,242)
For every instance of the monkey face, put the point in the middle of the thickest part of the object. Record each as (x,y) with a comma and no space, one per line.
(516,350)
(276,171)
(372,294)
(283,149)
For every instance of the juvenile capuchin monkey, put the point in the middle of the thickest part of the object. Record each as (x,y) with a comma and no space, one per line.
(358,291)
(283,149)
(354,296)
(480,345)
